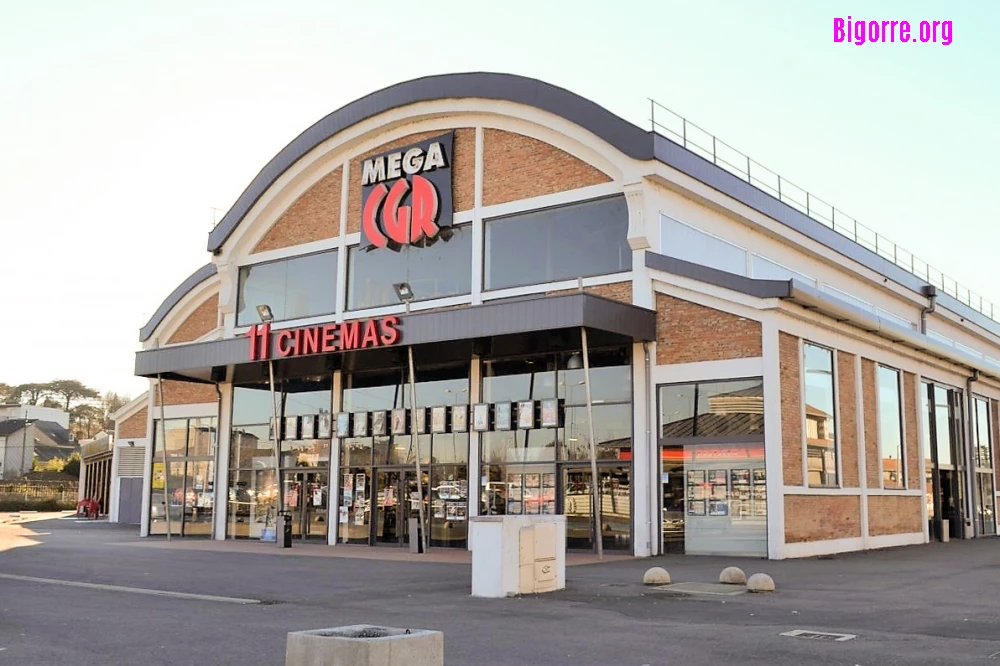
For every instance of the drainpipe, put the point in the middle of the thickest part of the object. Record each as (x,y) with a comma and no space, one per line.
(930,291)
(970,451)
(650,395)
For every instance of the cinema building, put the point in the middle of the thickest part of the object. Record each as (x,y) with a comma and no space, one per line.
(760,383)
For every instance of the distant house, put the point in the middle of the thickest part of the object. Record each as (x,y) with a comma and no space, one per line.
(22,441)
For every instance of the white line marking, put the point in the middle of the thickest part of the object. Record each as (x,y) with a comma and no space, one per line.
(132,590)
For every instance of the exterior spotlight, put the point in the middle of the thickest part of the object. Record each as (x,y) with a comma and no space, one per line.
(574,362)
(403,292)
(264,312)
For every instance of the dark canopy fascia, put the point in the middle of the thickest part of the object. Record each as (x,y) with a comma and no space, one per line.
(498,318)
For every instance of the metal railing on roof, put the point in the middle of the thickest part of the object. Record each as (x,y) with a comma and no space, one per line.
(677,129)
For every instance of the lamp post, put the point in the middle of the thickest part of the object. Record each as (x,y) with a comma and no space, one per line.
(266,316)
(163,452)
(405,294)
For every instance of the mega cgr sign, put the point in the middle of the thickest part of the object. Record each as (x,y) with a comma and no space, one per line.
(406,194)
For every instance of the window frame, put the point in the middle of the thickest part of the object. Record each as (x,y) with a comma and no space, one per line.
(698,439)
(336,287)
(903,467)
(835,416)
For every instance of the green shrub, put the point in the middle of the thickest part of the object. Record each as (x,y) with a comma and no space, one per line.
(15,504)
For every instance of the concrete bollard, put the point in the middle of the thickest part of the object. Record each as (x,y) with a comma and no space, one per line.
(365,645)
(760,582)
(656,576)
(733,576)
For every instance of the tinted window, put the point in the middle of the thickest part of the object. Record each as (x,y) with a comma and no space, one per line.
(890,427)
(821,447)
(562,243)
(712,409)
(441,269)
(293,288)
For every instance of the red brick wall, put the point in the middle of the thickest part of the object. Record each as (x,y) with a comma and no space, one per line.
(870,401)
(889,514)
(616,291)
(914,468)
(463,172)
(185,393)
(848,425)
(134,426)
(314,216)
(519,167)
(687,332)
(821,517)
(790,360)
(203,320)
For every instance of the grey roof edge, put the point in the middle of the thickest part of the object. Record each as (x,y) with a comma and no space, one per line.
(620,133)
(713,276)
(192,281)
(697,167)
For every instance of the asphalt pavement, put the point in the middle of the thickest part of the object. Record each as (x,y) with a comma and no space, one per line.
(933,604)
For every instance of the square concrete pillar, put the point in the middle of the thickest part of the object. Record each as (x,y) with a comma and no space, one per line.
(365,645)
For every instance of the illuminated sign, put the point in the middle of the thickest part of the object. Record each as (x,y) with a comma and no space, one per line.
(406,194)
(323,338)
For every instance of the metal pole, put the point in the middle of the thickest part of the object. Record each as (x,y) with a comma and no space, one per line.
(24,441)
(163,453)
(598,534)
(416,441)
(277,451)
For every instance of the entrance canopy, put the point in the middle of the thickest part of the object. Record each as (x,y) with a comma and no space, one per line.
(532,323)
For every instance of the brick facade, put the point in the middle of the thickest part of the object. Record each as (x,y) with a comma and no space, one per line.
(687,332)
(848,424)
(914,468)
(821,517)
(314,216)
(616,291)
(889,514)
(204,319)
(185,393)
(463,172)
(790,362)
(134,426)
(519,167)
(869,400)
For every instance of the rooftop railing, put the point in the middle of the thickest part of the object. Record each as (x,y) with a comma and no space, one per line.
(677,129)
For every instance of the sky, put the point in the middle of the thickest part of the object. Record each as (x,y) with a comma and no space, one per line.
(124,125)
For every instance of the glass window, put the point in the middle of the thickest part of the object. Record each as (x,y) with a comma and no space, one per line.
(564,243)
(890,417)
(821,441)
(942,425)
(293,288)
(436,270)
(984,451)
(251,448)
(712,409)
(251,405)
(612,428)
(201,437)
(176,437)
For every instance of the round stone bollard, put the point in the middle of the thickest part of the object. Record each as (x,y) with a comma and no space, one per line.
(363,645)
(656,576)
(733,576)
(760,582)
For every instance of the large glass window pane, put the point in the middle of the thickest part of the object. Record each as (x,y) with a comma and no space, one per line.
(612,428)
(821,442)
(578,240)
(519,445)
(251,448)
(730,408)
(610,378)
(510,380)
(356,451)
(299,287)
(984,451)
(890,427)
(441,269)
(677,410)
(451,448)
(176,437)
(252,503)
(251,405)
(942,425)
(202,437)
(449,494)
(199,498)
(305,453)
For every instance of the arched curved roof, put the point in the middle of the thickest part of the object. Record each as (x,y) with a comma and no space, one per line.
(192,281)
(623,135)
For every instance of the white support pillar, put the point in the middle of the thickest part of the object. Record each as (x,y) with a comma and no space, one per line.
(773,449)
(222,447)
(114,499)
(859,393)
(333,493)
(645,459)
(147,465)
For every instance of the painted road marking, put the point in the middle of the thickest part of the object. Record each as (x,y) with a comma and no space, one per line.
(131,590)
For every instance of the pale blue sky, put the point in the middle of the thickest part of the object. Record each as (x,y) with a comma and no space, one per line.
(123,123)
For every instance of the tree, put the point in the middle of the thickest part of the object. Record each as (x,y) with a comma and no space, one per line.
(49,402)
(72,466)
(29,394)
(86,420)
(111,403)
(6,393)
(71,389)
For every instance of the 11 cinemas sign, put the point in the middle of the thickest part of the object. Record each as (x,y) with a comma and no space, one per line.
(323,338)
(406,194)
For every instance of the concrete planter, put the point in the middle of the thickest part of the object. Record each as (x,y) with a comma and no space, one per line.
(365,645)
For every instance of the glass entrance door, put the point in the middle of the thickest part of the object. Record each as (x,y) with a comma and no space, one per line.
(397,500)
(306,498)
(614,494)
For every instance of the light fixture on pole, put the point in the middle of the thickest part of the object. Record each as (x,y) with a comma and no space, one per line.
(266,316)
(594,479)
(163,451)
(574,362)
(405,294)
